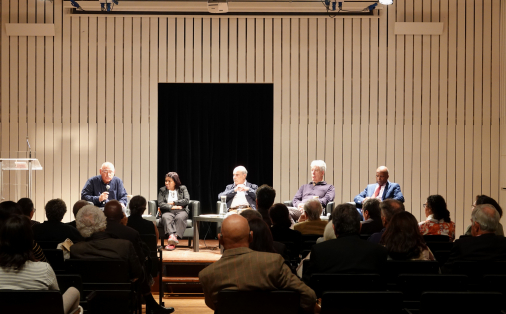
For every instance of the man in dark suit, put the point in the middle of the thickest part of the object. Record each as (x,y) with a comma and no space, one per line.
(372,217)
(484,244)
(53,229)
(241,194)
(241,268)
(381,190)
(347,253)
(388,208)
(265,196)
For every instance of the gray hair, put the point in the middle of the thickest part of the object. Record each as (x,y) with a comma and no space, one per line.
(107,163)
(90,219)
(241,169)
(320,164)
(487,219)
(313,209)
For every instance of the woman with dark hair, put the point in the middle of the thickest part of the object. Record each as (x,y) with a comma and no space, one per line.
(438,218)
(9,208)
(173,200)
(262,237)
(403,240)
(281,223)
(137,207)
(484,199)
(19,270)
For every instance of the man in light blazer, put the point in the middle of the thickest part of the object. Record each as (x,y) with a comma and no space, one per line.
(241,268)
(381,190)
(241,194)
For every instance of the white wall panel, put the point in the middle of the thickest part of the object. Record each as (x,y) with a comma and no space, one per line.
(349,91)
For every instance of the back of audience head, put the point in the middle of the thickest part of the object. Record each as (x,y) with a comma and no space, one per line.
(402,237)
(313,209)
(265,196)
(16,241)
(90,219)
(346,220)
(484,199)
(55,210)
(27,206)
(485,219)
(113,210)
(372,206)
(78,205)
(437,204)
(137,205)
(389,208)
(250,214)
(280,216)
(235,232)
(262,237)
(8,208)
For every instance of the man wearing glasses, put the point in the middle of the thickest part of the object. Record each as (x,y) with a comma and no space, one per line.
(104,187)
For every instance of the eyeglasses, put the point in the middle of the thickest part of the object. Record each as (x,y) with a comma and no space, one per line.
(108,171)
(424,205)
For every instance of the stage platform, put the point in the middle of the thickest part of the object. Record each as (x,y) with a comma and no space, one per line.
(209,253)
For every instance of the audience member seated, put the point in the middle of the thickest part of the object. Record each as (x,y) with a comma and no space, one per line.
(403,240)
(372,217)
(281,223)
(19,270)
(53,229)
(92,223)
(137,206)
(483,199)
(77,206)
(265,198)
(8,208)
(262,238)
(241,268)
(250,214)
(116,226)
(347,253)
(484,244)
(388,208)
(309,221)
(28,209)
(438,218)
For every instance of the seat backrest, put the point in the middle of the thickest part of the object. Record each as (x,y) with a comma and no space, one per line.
(55,259)
(255,302)
(31,301)
(48,244)
(394,268)
(98,270)
(344,302)
(66,281)
(436,238)
(460,302)
(413,285)
(150,240)
(345,282)
(439,245)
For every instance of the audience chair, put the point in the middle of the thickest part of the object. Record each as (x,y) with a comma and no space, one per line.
(308,240)
(55,258)
(31,301)
(441,256)
(194,207)
(326,210)
(257,302)
(321,283)
(157,260)
(48,244)
(66,281)
(460,302)
(362,302)
(495,283)
(109,279)
(365,236)
(392,269)
(439,246)
(436,238)
(476,270)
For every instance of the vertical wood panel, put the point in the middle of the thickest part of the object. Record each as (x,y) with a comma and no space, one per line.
(180,49)
(320,96)
(153,106)
(224,46)
(144,106)
(206,50)
(295,166)
(347,105)
(303,102)
(127,109)
(232,51)
(215,50)
(250,49)
(259,50)
(119,83)
(330,102)
(276,141)
(355,105)
(136,106)
(363,172)
(339,94)
(495,110)
(197,50)
(285,105)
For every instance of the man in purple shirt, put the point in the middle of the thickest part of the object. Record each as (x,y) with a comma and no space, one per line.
(317,188)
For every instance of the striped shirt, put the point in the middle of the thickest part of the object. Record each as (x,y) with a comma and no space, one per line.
(33,276)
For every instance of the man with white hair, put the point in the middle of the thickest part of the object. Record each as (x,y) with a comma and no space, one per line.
(241,194)
(104,187)
(316,189)
(381,190)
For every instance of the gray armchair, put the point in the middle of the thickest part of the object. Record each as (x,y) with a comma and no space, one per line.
(194,207)
(327,209)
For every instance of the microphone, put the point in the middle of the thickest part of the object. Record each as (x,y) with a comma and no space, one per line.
(107,187)
(29,147)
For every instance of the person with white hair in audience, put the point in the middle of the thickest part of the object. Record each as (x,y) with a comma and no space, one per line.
(91,223)
(313,223)
(241,194)
(484,244)
(316,189)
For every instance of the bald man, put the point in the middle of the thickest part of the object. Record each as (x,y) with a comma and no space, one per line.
(105,187)
(381,190)
(243,269)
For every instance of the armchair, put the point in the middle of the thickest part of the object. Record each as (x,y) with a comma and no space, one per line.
(194,207)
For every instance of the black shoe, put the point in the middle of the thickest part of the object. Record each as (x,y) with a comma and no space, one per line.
(162,310)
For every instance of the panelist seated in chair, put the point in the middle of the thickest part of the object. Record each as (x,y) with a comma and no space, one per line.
(104,187)
(381,190)
(173,200)
(241,194)
(316,189)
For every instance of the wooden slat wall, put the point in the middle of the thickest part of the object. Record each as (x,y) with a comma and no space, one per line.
(346,90)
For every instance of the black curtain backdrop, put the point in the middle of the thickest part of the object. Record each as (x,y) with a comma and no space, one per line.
(205,130)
